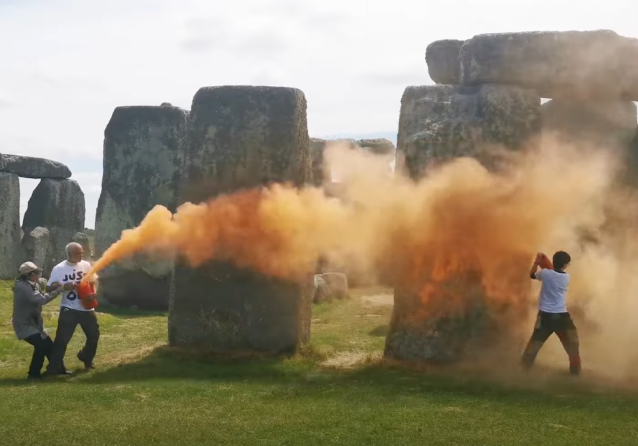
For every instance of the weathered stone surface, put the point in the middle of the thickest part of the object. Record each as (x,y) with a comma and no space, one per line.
(139,282)
(30,167)
(607,123)
(441,122)
(577,64)
(34,247)
(322,290)
(415,334)
(451,318)
(320,172)
(9,225)
(143,157)
(57,205)
(329,286)
(83,240)
(442,57)
(241,137)
(338,284)
(630,174)
(135,289)
(380,146)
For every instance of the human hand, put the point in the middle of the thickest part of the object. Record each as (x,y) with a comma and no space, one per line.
(69,286)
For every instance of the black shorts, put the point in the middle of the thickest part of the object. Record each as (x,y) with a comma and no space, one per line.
(554,322)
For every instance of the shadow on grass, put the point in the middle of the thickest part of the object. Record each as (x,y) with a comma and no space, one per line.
(381,330)
(128,313)
(381,378)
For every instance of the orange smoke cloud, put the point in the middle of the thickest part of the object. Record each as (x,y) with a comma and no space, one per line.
(460,221)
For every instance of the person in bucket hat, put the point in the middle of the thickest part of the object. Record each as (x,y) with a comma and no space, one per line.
(28,325)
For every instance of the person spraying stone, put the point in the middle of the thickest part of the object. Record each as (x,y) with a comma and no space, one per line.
(553,316)
(73,311)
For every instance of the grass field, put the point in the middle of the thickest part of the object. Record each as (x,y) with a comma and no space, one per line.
(337,391)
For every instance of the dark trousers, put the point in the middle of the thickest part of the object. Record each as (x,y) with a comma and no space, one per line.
(67,322)
(41,349)
(563,326)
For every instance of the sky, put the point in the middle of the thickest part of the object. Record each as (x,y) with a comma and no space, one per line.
(66,64)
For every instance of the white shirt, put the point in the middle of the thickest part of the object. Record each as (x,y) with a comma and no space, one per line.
(65,272)
(553,291)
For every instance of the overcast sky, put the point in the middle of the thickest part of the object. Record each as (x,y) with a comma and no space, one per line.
(66,64)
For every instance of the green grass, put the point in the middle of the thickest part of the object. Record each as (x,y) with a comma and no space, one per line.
(337,391)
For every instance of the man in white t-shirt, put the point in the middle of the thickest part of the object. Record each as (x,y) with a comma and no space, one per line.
(72,312)
(552,315)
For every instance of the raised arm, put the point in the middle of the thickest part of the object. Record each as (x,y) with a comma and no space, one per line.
(534,268)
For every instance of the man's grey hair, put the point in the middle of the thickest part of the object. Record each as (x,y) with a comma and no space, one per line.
(70,247)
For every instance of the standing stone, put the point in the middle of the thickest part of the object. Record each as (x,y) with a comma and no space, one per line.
(442,122)
(57,205)
(442,57)
(605,123)
(34,247)
(444,321)
(241,137)
(575,64)
(338,284)
(83,240)
(9,225)
(320,172)
(31,167)
(380,146)
(630,174)
(143,157)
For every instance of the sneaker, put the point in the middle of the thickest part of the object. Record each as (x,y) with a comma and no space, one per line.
(87,365)
(62,372)
(34,377)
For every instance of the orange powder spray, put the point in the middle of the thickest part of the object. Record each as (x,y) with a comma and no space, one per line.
(460,219)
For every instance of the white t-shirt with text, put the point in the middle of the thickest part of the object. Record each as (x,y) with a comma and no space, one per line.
(65,272)
(552,298)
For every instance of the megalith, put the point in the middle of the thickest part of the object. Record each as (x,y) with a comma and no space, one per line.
(9,225)
(442,58)
(436,124)
(241,137)
(378,146)
(441,122)
(34,247)
(58,206)
(596,64)
(609,124)
(142,163)
(630,174)
(32,167)
(83,240)
(320,172)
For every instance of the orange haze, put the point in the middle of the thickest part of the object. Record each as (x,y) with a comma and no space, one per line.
(460,219)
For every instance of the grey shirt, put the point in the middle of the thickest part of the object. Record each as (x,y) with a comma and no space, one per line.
(27,308)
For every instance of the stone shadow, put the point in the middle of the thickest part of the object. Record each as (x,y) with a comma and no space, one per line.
(128,313)
(381,330)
